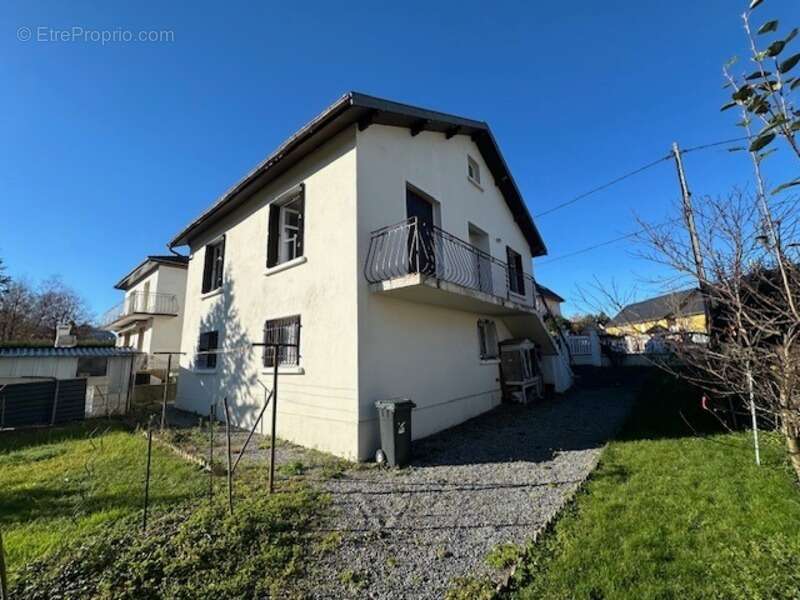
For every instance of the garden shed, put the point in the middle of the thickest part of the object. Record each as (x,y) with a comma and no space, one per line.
(95,380)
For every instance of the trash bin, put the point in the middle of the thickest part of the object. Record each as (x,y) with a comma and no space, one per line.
(395,422)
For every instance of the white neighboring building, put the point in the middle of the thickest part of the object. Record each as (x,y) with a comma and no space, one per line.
(393,245)
(150,317)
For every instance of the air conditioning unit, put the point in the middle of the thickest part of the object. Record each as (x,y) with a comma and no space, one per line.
(519,362)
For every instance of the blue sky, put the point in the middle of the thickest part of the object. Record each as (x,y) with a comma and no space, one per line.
(111,149)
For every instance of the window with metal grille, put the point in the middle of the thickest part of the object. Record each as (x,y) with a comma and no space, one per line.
(282,331)
(213,266)
(487,338)
(206,345)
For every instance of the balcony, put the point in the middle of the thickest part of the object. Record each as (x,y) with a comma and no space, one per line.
(426,264)
(138,306)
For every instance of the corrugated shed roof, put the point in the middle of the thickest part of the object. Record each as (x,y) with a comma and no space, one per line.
(683,304)
(77,352)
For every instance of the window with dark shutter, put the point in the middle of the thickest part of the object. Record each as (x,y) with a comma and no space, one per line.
(206,345)
(487,339)
(516,275)
(286,228)
(213,266)
(282,331)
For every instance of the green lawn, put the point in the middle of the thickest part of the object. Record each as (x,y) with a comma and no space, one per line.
(70,512)
(57,486)
(672,513)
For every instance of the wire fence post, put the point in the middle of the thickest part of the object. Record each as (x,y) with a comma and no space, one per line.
(166,393)
(211,418)
(228,445)
(3,577)
(147,473)
(274,417)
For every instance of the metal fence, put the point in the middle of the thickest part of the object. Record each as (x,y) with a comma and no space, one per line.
(42,402)
(151,303)
(411,247)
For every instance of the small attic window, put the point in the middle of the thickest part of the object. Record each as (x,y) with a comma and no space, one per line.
(473,170)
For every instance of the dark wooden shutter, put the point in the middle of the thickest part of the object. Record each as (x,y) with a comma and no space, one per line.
(301,207)
(208,264)
(272,235)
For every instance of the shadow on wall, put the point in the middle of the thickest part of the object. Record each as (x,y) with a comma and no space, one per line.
(236,374)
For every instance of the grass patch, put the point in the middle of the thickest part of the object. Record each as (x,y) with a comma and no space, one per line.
(196,551)
(59,485)
(671,513)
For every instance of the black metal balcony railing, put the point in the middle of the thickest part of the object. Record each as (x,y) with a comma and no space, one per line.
(151,303)
(411,247)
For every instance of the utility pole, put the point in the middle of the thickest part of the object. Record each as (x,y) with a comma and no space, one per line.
(688,218)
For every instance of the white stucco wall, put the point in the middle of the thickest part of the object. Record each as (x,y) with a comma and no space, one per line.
(357,346)
(426,353)
(317,407)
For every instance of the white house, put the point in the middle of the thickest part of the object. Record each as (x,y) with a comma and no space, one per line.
(393,246)
(150,317)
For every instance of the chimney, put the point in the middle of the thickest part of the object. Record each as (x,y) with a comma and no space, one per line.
(64,337)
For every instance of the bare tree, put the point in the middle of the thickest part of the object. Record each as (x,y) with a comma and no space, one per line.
(747,244)
(32,314)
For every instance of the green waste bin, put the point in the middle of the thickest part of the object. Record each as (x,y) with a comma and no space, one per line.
(394,416)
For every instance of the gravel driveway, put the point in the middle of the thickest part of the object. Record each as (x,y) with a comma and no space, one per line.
(495,479)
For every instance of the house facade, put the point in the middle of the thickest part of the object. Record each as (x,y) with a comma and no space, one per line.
(149,319)
(389,247)
(675,312)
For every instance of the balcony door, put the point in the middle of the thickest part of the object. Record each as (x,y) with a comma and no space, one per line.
(420,238)
(481,276)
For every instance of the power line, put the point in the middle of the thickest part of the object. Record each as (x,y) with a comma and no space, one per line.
(641,169)
(606,243)
(603,187)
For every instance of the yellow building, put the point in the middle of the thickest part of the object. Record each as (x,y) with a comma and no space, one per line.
(677,311)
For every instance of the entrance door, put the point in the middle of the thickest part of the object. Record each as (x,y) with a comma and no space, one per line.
(421,256)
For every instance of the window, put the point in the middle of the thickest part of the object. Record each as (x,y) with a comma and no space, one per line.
(206,345)
(473,170)
(285,236)
(282,331)
(213,266)
(487,338)
(516,275)
(92,367)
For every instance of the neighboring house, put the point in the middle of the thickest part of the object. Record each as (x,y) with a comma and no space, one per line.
(391,244)
(100,374)
(150,317)
(551,299)
(675,312)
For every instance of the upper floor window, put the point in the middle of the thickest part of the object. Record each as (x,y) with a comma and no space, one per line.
(516,275)
(213,266)
(285,236)
(473,170)
(207,345)
(487,339)
(282,331)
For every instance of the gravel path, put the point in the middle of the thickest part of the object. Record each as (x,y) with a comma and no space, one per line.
(496,479)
